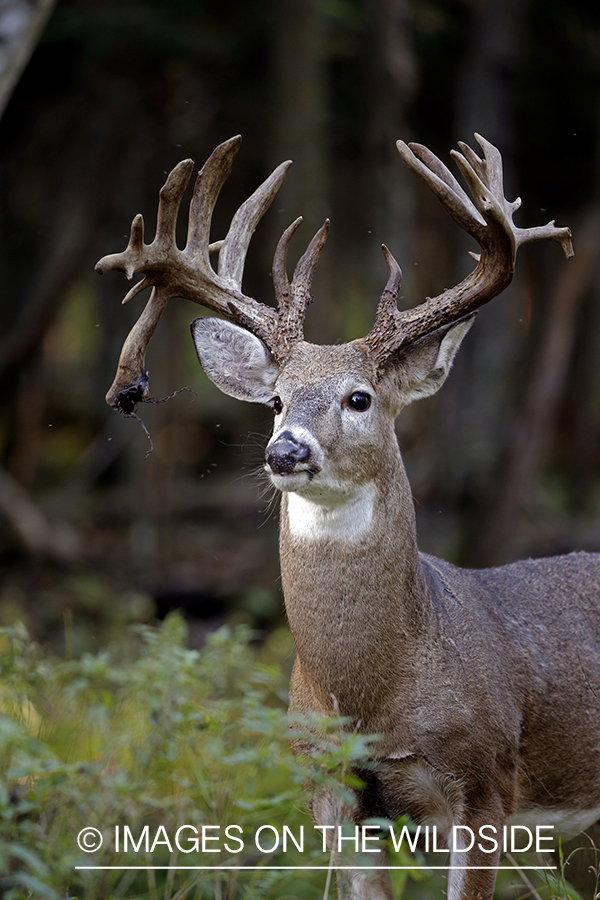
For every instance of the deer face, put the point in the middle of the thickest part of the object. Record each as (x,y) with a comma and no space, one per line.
(334,413)
(330,416)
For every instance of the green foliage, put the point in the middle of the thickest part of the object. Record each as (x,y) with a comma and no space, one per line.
(166,738)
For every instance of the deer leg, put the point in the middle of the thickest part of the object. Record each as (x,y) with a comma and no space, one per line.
(370,884)
(473,856)
(471,883)
(352,884)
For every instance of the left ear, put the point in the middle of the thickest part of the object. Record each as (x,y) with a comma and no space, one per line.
(235,360)
(420,369)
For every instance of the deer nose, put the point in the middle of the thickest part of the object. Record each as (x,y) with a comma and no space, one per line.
(285,453)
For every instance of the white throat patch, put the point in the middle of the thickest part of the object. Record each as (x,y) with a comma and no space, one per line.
(347,521)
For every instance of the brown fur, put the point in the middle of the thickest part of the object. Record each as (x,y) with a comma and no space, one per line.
(484,685)
(488,681)
(484,707)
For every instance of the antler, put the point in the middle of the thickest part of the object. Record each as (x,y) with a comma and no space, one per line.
(488,219)
(188,273)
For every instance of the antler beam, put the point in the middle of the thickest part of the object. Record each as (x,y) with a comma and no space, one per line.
(488,218)
(188,273)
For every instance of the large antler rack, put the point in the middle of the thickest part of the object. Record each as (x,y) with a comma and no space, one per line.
(188,273)
(488,218)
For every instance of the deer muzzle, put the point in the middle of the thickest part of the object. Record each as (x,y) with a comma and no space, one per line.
(286,455)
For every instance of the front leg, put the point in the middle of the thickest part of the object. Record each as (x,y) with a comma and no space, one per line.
(352,884)
(370,884)
(473,871)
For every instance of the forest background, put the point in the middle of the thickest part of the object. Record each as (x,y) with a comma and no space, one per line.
(504,462)
(100,539)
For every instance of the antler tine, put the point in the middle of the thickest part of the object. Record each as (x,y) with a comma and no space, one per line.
(136,255)
(232,256)
(547,232)
(435,165)
(211,178)
(492,163)
(169,201)
(135,245)
(131,380)
(488,218)
(434,174)
(388,315)
(305,270)
(394,282)
(485,182)
(280,277)
(293,299)
(489,168)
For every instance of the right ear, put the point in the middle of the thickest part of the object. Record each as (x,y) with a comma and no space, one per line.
(420,369)
(235,360)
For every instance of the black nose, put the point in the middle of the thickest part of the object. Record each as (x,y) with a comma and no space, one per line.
(285,453)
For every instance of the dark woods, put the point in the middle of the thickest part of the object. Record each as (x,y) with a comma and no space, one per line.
(505,462)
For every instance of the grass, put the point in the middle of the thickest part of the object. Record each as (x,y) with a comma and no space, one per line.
(162,738)
(186,753)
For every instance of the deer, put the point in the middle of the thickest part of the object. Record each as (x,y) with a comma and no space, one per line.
(483,686)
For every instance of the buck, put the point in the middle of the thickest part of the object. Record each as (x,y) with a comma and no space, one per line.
(484,685)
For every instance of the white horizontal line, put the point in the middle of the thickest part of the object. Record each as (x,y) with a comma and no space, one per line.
(315,868)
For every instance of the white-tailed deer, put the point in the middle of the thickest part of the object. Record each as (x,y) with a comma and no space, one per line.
(484,685)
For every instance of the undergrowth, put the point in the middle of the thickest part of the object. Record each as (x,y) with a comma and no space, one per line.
(168,739)
(176,758)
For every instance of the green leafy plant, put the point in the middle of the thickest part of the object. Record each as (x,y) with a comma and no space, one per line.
(160,741)
(165,739)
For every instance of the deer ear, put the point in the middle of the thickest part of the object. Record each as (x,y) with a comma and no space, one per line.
(235,360)
(421,368)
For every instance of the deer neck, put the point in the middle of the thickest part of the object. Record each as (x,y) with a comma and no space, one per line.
(353,589)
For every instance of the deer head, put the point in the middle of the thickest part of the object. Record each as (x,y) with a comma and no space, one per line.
(257,352)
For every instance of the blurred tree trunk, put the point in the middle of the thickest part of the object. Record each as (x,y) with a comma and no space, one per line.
(21,24)
(535,422)
(300,128)
(301,104)
(507,478)
(482,382)
(484,93)
(370,183)
(73,206)
(391,86)
(37,535)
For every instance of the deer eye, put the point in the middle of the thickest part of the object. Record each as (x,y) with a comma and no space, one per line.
(277,405)
(360,401)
